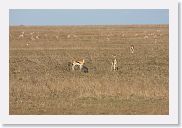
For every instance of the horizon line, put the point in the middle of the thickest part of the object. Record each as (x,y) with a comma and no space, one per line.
(89,25)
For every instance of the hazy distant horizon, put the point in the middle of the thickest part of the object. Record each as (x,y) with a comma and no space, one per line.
(87,17)
(89,25)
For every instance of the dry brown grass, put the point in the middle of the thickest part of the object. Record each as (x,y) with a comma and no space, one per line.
(41,81)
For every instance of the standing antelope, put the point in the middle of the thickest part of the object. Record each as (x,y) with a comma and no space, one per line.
(132,48)
(114,64)
(123,35)
(37,36)
(158,30)
(79,63)
(28,43)
(10,36)
(21,35)
(108,38)
(32,36)
(146,37)
(57,37)
(68,36)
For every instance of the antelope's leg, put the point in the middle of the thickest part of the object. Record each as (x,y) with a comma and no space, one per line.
(73,67)
(81,66)
(114,66)
(111,66)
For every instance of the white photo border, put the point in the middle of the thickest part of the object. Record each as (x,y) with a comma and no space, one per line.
(172,118)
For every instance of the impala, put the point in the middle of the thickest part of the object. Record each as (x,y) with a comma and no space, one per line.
(132,48)
(114,64)
(79,63)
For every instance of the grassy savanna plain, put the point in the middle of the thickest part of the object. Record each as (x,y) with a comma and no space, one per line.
(42,83)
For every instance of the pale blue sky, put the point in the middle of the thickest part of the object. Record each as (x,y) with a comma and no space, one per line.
(88,16)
